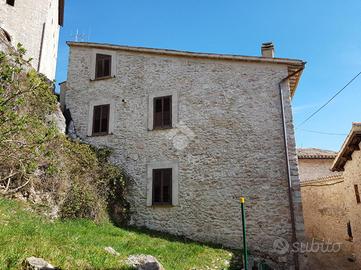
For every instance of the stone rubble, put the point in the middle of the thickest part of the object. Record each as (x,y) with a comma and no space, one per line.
(33,263)
(111,250)
(144,262)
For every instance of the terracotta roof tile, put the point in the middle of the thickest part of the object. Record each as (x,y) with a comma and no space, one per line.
(315,153)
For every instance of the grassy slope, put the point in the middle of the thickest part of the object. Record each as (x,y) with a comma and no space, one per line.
(80,244)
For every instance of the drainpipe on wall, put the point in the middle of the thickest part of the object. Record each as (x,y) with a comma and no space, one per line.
(284,124)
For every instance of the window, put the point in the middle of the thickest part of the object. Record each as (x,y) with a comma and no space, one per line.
(357,194)
(162,186)
(103,66)
(349,230)
(7,35)
(10,2)
(101,120)
(162,112)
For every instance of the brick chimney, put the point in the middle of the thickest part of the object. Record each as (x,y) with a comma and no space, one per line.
(268,50)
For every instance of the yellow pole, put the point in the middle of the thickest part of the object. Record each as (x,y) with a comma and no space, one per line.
(245,256)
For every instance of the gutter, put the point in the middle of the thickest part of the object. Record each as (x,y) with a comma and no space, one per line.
(292,213)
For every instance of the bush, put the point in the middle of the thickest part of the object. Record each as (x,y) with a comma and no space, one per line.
(43,165)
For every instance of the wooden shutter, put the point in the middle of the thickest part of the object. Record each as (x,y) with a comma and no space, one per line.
(101,119)
(162,186)
(167,111)
(157,186)
(157,113)
(162,117)
(103,66)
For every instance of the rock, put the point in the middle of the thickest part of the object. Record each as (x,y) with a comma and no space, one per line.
(144,262)
(33,263)
(71,131)
(58,119)
(111,250)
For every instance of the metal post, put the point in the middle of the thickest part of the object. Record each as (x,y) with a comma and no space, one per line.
(245,255)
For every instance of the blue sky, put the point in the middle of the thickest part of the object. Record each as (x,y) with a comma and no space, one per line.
(326,34)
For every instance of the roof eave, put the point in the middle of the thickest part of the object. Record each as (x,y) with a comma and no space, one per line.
(350,144)
(292,64)
(285,61)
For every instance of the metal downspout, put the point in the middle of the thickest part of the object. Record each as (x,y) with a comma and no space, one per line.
(284,124)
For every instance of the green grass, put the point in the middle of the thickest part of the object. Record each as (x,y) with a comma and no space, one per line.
(79,244)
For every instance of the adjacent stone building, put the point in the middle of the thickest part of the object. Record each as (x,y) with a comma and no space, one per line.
(348,161)
(35,24)
(330,187)
(314,163)
(324,209)
(196,131)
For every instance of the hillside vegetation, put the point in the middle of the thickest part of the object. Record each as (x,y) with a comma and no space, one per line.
(40,164)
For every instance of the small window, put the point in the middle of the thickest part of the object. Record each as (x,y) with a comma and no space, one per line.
(349,230)
(357,194)
(101,120)
(10,2)
(162,112)
(103,66)
(162,186)
(7,35)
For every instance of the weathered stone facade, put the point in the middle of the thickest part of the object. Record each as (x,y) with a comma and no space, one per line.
(34,24)
(330,205)
(226,140)
(325,210)
(315,163)
(349,162)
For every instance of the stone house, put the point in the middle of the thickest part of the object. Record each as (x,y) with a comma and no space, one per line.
(35,24)
(325,214)
(331,193)
(348,161)
(196,131)
(314,163)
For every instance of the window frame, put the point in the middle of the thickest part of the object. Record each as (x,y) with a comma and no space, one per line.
(162,202)
(164,164)
(104,57)
(101,133)
(175,107)
(162,125)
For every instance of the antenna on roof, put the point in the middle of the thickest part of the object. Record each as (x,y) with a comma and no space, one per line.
(79,36)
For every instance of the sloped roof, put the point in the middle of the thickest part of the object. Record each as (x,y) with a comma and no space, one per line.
(315,153)
(294,66)
(350,145)
(320,181)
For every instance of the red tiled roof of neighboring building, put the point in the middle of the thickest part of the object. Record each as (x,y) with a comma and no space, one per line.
(330,179)
(315,153)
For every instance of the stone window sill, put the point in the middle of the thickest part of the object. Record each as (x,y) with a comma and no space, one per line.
(101,135)
(160,129)
(162,205)
(102,78)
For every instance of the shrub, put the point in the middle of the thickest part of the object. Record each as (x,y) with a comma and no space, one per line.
(41,164)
